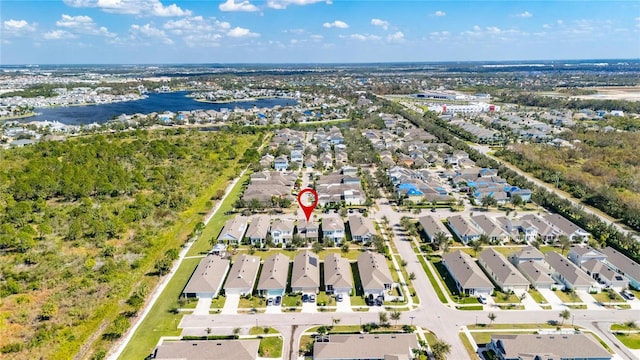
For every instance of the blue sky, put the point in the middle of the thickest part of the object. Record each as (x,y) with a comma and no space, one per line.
(313,31)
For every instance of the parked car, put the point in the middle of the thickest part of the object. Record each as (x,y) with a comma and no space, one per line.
(305,298)
(339,298)
(312,298)
(269,301)
(627,295)
(278,300)
(482,299)
(379,302)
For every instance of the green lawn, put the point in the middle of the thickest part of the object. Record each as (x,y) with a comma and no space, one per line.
(218,302)
(467,346)
(484,337)
(357,301)
(270,347)
(432,279)
(632,341)
(324,298)
(516,326)
(450,283)
(253,302)
(292,300)
(213,228)
(470,307)
(160,321)
(502,298)
(431,337)
(505,250)
(566,297)
(603,297)
(537,296)
(258,330)
(624,327)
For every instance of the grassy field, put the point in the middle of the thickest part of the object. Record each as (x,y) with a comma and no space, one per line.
(516,326)
(450,283)
(218,302)
(467,346)
(251,303)
(271,347)
(504,250)
(432,279)
(566,297)
(484,337)
(503,298)
(618,327)
(603,297)
(258,330)
(537,296)
(632,341)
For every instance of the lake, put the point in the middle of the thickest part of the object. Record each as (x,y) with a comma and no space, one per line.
(156,102)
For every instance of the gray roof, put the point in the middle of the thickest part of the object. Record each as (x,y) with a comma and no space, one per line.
(305,226)
(562,224)
(211,349)
(243,272)
(568,270)
(502,270)
(361,226)
(258,228)
(605,272)
(306,270)
(364,346)
(208,276)
(489,226)
(374,271)
(543,227)
(556,346)
(535,272)
(466,271)
(629,267)
(332,223)
(282,225)
(432,226)
(463,226)
(527,253)
(234,229)
(275,272)
(337,271)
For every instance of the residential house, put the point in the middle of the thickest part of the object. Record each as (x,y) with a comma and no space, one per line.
(337,275)
(521,230)
(273,278)
(258,230)
(494,231)
(580,254)
(362,229)
(530,262)
(233,230)
(212,349)
(305,277)
(502,272)
(374,274)
(366,346)
(333,228)
(282,231)
(242,275)
(431,227)
(267,160)
(206,281)
(623,265)
(579,346)
(604,274)
(565,272)
(566,227)
(467,275)
(308,229)
(545,230)
(296,156)
(281,163)
(464,229)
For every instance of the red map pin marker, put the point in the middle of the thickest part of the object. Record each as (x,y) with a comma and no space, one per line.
(308,209)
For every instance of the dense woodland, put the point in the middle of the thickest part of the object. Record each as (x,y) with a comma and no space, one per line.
(530,99)
(87,224)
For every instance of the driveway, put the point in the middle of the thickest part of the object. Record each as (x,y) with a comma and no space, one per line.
(309,307)
(530,304)
(591,303)
(552,299)
(344,305)
(203,306)
(274,309)
(231,304)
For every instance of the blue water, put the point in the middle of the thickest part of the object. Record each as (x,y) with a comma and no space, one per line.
(174,102)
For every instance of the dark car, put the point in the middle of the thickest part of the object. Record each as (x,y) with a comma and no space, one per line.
(369,301)
(627,295)
(305,298)
(379,302)
(278,300)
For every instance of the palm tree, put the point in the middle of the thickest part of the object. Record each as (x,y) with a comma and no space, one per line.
(440,239)
(383,317)
(631,325)
(491,317)
(564,242)
(476,246)
(565,314)
(440,350)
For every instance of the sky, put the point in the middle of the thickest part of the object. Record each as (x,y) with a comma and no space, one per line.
(314,31)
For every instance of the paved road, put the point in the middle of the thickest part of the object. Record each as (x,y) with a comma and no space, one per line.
(588,209)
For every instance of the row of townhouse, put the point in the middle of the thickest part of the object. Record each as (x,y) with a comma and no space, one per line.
(607,266)
(501,229)
(341,187)
(207,280)
(265,185)
(257,229)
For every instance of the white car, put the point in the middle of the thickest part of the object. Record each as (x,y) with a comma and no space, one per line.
(482,299)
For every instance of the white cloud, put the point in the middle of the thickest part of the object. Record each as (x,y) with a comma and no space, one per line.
(336,24)
(232,5)
(14,28)
(282,4)
(439,13)
(316,37)
(559,22)
(131,7)
(82,25)
(362,37)
(197,30)
(239,32)
(525,14)
(547,26)
(149,32)
(396,37)
(59,35)
(382,23)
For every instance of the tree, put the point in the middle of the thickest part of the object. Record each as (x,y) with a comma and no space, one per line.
(378,243)
(631,325)
(440,239)
(383,317)
(49,309)
(162,266)
(345,247)
(440,349)
(476,246)
(492,317)
(488,201)
(564,242)
(516,200)
(317,247)
(412,276)
(395,315)
(565,314)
